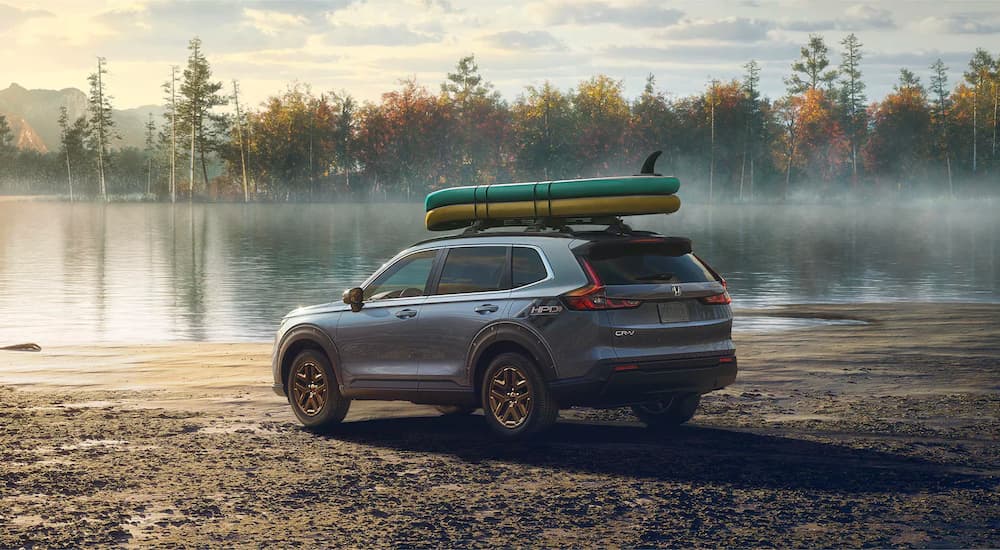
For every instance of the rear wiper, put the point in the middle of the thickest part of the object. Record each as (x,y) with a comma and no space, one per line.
(656,277)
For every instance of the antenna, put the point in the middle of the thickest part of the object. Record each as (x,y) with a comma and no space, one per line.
(649,167)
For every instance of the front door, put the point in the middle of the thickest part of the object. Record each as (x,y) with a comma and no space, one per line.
(377,345)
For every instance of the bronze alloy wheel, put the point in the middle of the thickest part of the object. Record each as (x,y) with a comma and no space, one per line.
(309,388)
(510,397)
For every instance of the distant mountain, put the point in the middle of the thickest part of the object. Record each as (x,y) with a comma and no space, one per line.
(38,113)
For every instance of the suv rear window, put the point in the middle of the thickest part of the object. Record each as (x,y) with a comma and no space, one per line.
(474,269)
(646,263)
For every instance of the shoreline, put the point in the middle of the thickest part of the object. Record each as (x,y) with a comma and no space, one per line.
(884,434)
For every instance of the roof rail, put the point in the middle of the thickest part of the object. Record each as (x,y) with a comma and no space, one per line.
(615,225)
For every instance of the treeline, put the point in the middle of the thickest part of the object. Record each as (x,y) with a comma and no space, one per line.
(728,143)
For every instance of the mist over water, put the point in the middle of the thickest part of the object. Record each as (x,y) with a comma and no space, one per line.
(227,272)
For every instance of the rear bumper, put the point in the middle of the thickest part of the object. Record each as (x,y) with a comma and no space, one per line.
(648,381)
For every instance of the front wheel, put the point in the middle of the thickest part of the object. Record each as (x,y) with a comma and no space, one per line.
(668,413)
(516,401)
(313,392)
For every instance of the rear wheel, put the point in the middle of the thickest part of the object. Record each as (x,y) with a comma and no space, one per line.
(668,413)
(313,392)
(516,401)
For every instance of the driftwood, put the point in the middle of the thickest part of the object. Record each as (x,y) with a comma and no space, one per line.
(22,347)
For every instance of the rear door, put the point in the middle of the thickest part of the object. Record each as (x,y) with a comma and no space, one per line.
(472,291)
(677,305)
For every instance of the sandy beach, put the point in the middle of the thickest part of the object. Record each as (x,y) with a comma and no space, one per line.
(882,434)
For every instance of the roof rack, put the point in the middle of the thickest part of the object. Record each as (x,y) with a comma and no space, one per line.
(615,225)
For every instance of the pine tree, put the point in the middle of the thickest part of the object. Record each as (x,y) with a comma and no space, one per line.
(852,96)
(751,90)
(978,76)
(239,135)
(101,124)
(168,135)
(200,95)
(345,134)
(150,147)
(941,107)
(809,72)
(6,136)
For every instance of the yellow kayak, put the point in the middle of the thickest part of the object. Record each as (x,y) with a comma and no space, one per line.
(461,215)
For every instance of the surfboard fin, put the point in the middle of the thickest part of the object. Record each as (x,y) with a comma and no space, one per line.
(649,167)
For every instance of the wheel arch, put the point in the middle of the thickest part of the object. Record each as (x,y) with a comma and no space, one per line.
(305,337)
(505,337)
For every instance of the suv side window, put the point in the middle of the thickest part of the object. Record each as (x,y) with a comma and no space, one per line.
(526,267)
(474,269)
(404,279)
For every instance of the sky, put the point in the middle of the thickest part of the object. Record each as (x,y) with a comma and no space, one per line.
(366,47)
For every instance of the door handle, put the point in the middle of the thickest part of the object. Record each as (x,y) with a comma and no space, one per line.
(406,313)
(487,308)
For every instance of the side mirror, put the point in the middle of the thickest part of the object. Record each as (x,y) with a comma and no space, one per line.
(355,298)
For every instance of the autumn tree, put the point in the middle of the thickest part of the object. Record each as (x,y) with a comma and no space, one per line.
(812,141)
(901,130)
(479,122)
(545,141)
(602,115)
(809,71)
(650,127)
(400,138)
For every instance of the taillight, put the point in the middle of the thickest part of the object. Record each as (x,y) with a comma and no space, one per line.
(593,296)
(719,299)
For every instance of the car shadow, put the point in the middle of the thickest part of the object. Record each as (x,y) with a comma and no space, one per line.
(690,453)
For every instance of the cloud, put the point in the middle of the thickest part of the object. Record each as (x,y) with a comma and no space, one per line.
(729,29)
(272,22)
(723,53)
(597,12)
(378,35)
(959,24)
(858,17)
(524,41)
(11,16)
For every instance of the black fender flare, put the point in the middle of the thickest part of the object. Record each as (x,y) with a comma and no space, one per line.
(312,334)
(516,333)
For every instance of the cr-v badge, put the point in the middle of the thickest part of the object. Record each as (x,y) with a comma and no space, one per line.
(624,333)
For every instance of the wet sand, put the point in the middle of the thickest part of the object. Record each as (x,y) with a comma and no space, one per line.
(885,434)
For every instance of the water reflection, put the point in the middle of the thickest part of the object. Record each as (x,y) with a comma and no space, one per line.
(142,272)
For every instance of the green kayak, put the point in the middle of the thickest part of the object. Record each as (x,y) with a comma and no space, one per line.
(553,190)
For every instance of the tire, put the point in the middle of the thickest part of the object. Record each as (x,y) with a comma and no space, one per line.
(668,413)
(455,410)
(313,392)
(516,401)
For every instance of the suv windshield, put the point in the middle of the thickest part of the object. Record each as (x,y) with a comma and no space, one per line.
(646,263)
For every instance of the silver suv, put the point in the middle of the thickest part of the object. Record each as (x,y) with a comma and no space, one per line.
(519,324)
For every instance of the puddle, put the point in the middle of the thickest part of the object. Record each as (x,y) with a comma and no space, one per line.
(769,323)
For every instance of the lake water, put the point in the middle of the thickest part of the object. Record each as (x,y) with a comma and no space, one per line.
(227,272)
